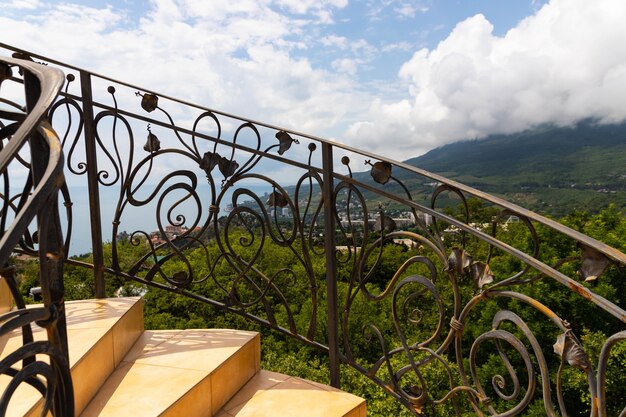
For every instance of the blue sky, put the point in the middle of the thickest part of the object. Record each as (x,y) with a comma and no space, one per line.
(418,73)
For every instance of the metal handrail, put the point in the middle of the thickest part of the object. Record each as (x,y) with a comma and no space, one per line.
(51,378)
(51,80)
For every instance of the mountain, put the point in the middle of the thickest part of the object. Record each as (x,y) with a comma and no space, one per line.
(552,170)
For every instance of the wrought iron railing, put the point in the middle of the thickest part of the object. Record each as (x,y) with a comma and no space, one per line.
(31,167)
(210,199)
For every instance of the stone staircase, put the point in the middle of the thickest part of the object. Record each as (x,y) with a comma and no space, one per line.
(119,369)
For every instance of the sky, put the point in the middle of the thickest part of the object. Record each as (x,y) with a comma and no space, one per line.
(393,77)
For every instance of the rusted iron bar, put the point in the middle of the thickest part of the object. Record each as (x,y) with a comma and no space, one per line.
(49,225)
(92,183)
(331,267)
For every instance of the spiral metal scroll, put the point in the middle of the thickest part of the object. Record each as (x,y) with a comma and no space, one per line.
(51,377)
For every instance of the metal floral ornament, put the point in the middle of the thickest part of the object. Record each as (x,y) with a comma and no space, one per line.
(149,102)
(209,161)
(570,351)
(212,159)
(227,167)
(285,141)
(384,223)
(593,263)
(381,172)
(459,260)
(462,262)
(153,143)
(481,274)
(277,199)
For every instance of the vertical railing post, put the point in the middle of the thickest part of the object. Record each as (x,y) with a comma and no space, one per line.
(51,251)
(92,183)
(48,222)
(328,194)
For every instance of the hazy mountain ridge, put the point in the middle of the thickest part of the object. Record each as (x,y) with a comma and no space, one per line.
(553,170)
(515,153)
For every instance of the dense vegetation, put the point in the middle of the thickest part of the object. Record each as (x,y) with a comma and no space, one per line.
(166,310)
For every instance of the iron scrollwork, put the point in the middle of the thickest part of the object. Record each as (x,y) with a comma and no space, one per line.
(463,333)
(414,344)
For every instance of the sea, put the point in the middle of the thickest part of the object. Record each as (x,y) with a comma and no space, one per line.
(144,218)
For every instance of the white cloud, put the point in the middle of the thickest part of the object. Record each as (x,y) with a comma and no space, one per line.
(397,46)
(23,4)
(323,9)
(340,42)
(250,57)
(402,9)
(363,50)
(409,9)
(236,56)
(346,65)
(565,63)
(307,6)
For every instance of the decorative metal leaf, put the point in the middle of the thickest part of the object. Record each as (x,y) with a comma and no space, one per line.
(209,161)
(277,200)
(459,260)
(381,172)
(386,223)
(594,263)
(153,143)
(568,348)
(481,274)
(149,102)
(559,345)
(227,167)
(285,141)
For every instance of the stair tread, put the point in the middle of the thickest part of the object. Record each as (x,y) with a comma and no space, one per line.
(193,372)
(273,394)
(100,332)
(212,372)
(87,322)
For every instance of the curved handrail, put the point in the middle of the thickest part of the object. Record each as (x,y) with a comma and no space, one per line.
(51,81)
(52,379)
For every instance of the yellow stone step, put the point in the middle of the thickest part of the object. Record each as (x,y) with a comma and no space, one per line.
(118,369)
(6,299)
(271,394)
(179,373)
(100,333)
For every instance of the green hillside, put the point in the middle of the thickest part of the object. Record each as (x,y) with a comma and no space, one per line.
(552,170)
